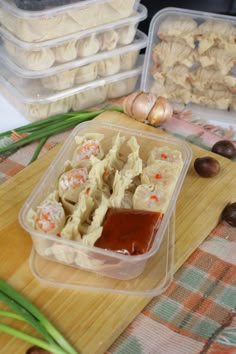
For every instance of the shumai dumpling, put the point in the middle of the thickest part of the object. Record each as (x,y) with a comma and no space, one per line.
(163,174)
(165,153)
(219,58)
(121,88)
(88,146)
(167,54)
(178,26)
(150,197)
(70,183)
(213,99)
(48,216)
(215,30)
(204,78)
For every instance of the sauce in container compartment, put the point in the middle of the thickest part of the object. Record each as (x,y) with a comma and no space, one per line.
(129,231)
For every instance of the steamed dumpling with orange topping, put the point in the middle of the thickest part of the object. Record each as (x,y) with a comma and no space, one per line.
(165,153)
(162,174)
(71,182)
(49,216)
(150,197)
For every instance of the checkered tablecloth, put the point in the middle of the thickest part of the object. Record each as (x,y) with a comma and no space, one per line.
(197,313)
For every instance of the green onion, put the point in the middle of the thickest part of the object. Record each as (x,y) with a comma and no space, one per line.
(42,130)
(25,310)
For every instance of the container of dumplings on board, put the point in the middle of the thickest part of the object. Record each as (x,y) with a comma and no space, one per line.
(53,53)
(118,166)
(191,58)
(44,83)
(40,105)
(58,21)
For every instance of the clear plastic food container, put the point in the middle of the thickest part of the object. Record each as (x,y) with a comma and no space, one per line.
(83,44)
(191,57)
(154,280)
(78,224)
(44,83)
(34,107)
(55,22)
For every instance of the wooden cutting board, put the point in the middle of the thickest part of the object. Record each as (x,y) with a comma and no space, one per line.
(92,321)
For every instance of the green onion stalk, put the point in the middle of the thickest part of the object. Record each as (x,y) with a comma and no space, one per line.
(43,129)
(52,340)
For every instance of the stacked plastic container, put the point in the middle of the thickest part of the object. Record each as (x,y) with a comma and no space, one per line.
(62,55)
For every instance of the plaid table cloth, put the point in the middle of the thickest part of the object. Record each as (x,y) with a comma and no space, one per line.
(197,313)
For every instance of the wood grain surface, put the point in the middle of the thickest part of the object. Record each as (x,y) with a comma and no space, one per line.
(92,321)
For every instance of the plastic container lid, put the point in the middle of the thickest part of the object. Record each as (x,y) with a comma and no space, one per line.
(26,97)
(139,43)
(139,15)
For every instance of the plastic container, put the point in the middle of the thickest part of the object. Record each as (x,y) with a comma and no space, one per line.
(154,280)
(74,253)
(83,44)
(44,83)
(34,107)
(191,57)
(55,22)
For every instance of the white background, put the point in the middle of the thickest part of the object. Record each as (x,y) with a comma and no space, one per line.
(10,118)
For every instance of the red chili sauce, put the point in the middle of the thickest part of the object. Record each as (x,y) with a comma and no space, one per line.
(129,231)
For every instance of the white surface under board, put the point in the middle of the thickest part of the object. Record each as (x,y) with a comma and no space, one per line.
(10,118)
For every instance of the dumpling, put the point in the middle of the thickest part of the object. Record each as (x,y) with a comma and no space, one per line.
(38,59)
(38,111)
(214,31)
(219,58)
(172,91)
(49,216)
(66,52)
(126,34)
(86,73)
(121,87)
(89,98)
(167,54)
(109,66)
(233,104)
(178,26)
(165,153)
(60,81)
(213,99)
(204,78)
(128,60)
(230,83)
(70,183)
(120,184)
(133,166)
(163,174)
(87,146)
(179,74)
(150,197)
(78,222)
(109,40)
(88,46)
